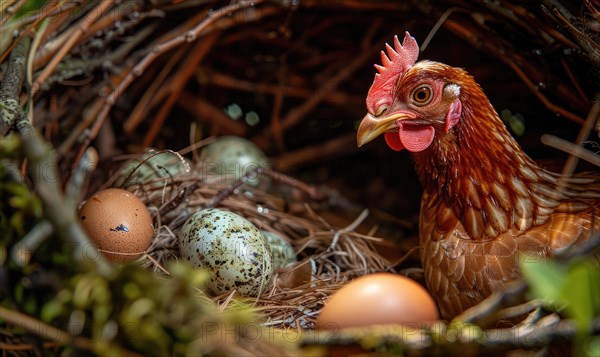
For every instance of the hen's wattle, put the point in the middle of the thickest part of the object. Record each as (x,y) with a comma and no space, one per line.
(486,204)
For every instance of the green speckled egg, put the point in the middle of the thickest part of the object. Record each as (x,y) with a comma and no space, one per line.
(231,248)
(156,166)
(232,157)
(282,250)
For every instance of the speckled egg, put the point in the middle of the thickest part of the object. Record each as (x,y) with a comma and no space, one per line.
(230,247)
(283,252)
(156,166)
(118,223)
(232,157)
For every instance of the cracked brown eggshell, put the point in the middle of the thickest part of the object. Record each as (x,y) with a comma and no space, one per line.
(118,223)
(233,250)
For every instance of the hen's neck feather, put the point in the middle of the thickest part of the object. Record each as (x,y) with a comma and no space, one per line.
(481,174)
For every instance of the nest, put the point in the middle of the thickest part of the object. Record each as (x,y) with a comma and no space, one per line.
(116,77)
(328,256)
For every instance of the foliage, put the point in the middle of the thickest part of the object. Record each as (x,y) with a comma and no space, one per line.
(573,288)
(131,309)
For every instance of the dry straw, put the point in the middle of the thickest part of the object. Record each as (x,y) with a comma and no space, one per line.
(328,256)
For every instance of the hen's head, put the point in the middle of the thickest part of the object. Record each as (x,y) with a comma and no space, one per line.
(410,103)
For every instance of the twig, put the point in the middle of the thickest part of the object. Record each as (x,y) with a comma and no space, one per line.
(277,106)
(350,228)
(144,104)
(440,341)
(22,35)
(436,27)
(530,307)
(176,201)
(487,310)
(238,84)
(9,9)
(25,347)
(82,27)
(584,133)
(187,70)
(75,67)
(159,49)
(538,335)
(10,88)
(542,98)
(63,217)
(312,192)
(512,58)
(42,161)
(22,251)
(205,112)
(43,14)
(591,48)
(574,80)
(81,175)
(44,330)
(50,332)
(328,150)
(570,148)
(295,115)
(230,190)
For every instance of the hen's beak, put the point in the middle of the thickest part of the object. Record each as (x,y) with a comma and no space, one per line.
(371,127)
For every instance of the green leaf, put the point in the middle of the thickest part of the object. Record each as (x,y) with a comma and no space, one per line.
(580,291)
(31,5)
(592,346)
(517,124)
(546,279)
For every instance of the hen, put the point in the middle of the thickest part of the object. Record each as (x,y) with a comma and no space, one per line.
(485,201)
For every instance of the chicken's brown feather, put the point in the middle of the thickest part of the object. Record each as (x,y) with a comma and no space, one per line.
(461,272)
(486,204)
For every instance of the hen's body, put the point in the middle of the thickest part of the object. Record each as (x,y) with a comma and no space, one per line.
(485,204)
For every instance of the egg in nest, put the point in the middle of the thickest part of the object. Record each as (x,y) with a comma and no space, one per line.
(282,251)
(234,251)
(118,223)
(378,299)
(231,158)
(157,167)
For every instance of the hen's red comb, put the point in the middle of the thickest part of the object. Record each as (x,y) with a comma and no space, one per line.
(397,61)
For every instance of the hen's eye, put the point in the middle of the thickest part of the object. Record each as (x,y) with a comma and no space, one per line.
(422,95)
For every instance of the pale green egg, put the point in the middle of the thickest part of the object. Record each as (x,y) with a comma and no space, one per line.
(282,250)
(231,248)
(154,167)
(231,158)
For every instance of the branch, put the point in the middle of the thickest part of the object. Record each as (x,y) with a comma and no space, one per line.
(489,309)
(448,340)
(82,28)
(161,48)
(42,161)
(50,332)
(584,133)
(295,115)
(10,88)
(591,50)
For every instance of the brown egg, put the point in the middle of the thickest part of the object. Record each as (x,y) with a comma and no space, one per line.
(118,223)
(378,299)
